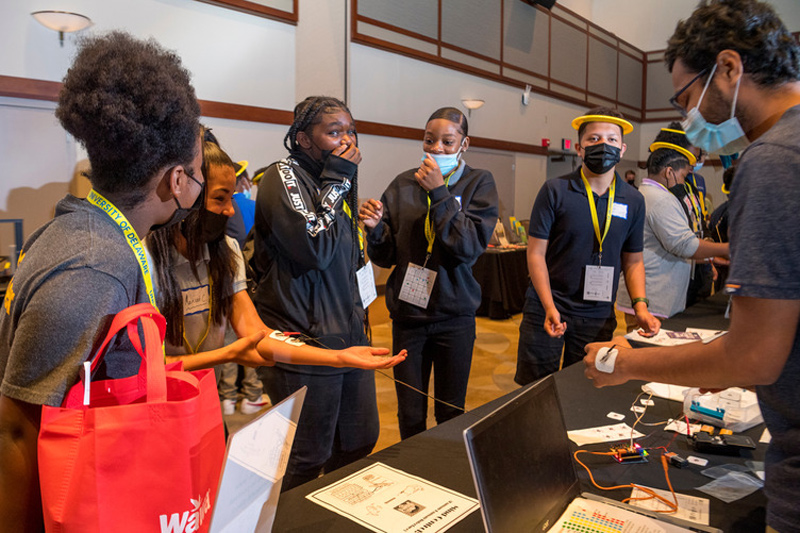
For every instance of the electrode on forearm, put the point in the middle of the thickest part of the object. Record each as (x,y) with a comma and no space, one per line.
(288,339)
(606,357)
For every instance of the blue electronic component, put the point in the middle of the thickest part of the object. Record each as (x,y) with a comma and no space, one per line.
(717,414)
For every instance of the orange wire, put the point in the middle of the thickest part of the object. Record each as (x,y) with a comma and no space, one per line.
(673,507)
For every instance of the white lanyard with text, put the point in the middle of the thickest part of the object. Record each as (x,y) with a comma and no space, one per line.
(598,284)
(131,238)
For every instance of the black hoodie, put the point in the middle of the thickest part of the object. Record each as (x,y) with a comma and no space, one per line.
(305,258)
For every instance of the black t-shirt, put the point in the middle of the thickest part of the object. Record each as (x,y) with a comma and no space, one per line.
(561,215)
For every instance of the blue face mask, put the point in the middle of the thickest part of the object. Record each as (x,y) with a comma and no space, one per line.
(698,166)
(726,138)
(447,162)
(246,194)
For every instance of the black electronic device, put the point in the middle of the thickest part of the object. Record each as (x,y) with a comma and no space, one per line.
(548,4)
(722,444)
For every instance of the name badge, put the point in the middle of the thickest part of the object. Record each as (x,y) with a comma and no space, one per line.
(195,300)
(599,283)
(366,284)
(417,285)
(619,210)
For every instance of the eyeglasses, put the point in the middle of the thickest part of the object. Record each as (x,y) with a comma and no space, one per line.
(674,100)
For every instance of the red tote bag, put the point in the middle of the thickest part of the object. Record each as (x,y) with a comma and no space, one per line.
(144,455)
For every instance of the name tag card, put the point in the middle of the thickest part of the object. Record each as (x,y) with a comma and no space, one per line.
(195,300)
(366,284)
(619,210)
(417,285)
(599,283)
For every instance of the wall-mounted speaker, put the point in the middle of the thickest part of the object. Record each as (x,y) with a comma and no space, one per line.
(544,3)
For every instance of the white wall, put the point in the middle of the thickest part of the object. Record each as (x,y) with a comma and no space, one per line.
(395,89)
(634,20)
(233,57)
(321,49)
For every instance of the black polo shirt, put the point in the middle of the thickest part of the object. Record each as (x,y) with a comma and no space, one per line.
(561,215)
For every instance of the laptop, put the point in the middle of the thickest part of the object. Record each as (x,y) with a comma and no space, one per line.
(522,466)
(255,462)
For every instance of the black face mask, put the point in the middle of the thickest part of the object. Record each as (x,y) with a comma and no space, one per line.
(600,158)
(212,225)
(181,212)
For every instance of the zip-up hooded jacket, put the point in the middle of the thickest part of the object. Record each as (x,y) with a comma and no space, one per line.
(463,216)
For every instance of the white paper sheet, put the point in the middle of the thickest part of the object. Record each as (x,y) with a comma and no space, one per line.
(614,432)
(666,337)
(384,499)
(663,390)
(689,507)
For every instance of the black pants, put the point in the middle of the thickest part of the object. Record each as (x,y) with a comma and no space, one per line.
(338,424)
(538,354)
(445,347)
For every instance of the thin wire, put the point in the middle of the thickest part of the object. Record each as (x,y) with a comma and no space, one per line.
(673,506)
(639,418)
(422,392)
(306,338)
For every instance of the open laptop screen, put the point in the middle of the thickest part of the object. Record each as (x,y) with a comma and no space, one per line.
(521,463)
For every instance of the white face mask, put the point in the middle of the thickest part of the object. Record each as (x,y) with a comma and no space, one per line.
(726,138)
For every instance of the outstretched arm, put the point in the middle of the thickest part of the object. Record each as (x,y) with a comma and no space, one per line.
(245,321)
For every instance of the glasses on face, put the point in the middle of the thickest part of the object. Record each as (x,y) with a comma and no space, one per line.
(674,100)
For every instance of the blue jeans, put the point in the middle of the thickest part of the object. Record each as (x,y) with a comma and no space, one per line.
(539,354)
(338,424)
(251,385)
(445,347)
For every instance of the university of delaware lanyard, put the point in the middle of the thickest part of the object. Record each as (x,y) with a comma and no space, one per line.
(131,238)
(593,209)
(430,233)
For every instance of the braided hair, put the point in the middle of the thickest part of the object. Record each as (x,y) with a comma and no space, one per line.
(306,116)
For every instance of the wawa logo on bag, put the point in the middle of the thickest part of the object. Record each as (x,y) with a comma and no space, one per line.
(187,521)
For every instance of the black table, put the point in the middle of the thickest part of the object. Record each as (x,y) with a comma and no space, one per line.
(503,277)
(439,454)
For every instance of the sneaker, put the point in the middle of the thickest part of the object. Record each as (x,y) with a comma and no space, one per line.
(228,407)
(248,407)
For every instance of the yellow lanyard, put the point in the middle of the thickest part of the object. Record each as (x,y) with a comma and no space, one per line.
(208,322)
(593,209)
(430,232)
(131,238)
(349,213)
(700,195)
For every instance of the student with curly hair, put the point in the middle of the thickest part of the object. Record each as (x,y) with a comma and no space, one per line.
(440,217)
(736,70)
(305,256)
(132,106)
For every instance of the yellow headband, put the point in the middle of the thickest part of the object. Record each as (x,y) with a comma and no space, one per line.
(680,132)
(681,150)
(258,177)
(627,127)
(242,167)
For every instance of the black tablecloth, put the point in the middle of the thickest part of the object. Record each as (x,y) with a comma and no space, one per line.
(439,454)
(503,277)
